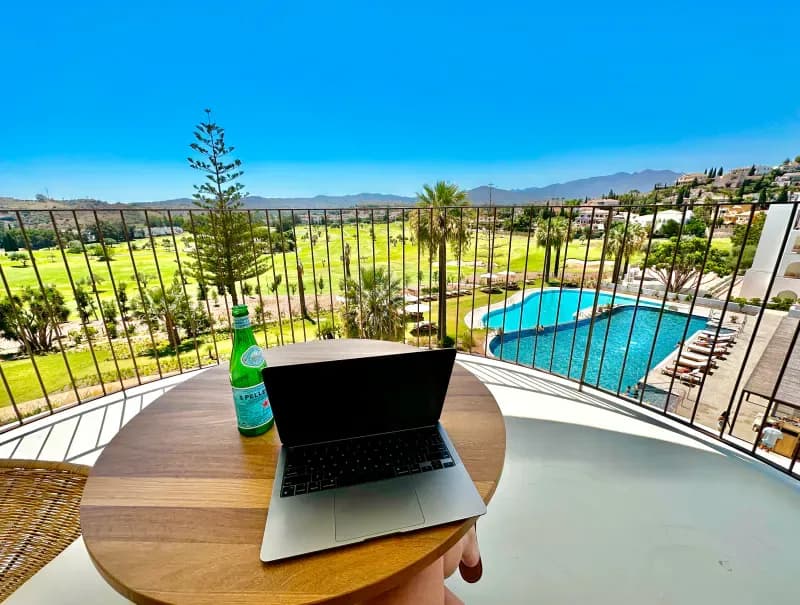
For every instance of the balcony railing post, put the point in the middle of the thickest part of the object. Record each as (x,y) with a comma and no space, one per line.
(56,325)
(545,275)
(275,277)
(297,263)
(508,268)
(26,345)
(60,244)
(10,397)
(167,311)
(692,305)
(614,274)
(97,298)
(141,291)
(313,267)
(358,268)
(99,228)
(524,284)
(345,270)
(286,274)
(638,298)
(258,278)
(430,281)
(460,251)
(786,233)
(330,274)
(661,309)
(594,307)
(184,280)
(580,297)
(475,284)
(212,321)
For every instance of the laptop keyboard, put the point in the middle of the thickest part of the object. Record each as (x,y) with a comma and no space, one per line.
(314,468)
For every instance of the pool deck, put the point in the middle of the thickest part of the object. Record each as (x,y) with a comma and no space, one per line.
(719,383)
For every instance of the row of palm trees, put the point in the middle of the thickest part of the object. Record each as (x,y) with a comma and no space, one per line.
(375,301)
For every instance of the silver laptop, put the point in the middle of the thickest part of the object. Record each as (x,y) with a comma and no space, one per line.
(363,452)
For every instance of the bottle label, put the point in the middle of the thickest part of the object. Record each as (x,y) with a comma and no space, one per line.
(253,357)
(252,406)
(240,323)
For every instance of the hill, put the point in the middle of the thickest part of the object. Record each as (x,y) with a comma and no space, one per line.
(620,182)
(596,186)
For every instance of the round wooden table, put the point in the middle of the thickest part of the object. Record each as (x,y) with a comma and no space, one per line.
(174,508)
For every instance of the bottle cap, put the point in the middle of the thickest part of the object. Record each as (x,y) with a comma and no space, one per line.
(239,311)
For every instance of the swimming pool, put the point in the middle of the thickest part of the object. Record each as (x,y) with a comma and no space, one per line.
(525,314)
(563,348)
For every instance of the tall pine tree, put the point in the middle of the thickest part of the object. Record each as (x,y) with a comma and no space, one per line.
(230,247)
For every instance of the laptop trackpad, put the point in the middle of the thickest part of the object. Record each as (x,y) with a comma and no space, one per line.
(375,508)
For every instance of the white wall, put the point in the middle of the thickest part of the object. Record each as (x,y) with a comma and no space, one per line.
(769,252)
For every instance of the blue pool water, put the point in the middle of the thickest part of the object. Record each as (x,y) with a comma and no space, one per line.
(526,314)
(555,347)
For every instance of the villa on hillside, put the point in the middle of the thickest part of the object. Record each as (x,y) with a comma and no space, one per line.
(788,178)
(662,218)
(602,202)
(769,254)
(692,178)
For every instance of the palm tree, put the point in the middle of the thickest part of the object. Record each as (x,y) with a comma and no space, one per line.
(373,306)
(302,289)
(543,241)
(168,305)
(558,235)
(346,260)
(622,245)
(438,227)
(551,233)
(616,235)
(635,242)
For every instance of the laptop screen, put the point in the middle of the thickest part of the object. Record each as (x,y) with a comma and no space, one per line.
(325,401)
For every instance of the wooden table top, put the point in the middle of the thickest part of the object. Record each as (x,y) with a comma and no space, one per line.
(175,507)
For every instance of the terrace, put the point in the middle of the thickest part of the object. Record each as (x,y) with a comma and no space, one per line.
(588,462)
(583,470)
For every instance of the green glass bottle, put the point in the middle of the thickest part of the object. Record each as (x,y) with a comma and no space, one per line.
(253,413)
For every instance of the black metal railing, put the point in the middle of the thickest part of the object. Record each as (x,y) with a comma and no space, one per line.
(613,298)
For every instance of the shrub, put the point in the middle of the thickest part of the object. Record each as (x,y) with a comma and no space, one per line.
(780,304)
(20,257)
(328,331)
(466,340)
(448,341)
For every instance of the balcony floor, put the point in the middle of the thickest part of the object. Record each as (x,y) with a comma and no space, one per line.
(600,502)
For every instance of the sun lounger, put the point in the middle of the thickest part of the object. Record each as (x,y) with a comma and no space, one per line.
(675,371)
(717,351)
(698,357)
(692,363)
(712,335)
(691,378)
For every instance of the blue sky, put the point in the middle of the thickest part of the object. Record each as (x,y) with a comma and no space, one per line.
(100,98)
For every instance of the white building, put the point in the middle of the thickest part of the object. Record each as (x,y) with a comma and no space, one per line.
(769,253)
(662,218)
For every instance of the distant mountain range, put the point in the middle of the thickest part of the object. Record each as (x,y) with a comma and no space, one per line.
(597,186)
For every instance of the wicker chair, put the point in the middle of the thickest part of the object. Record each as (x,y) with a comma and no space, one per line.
(39,516)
